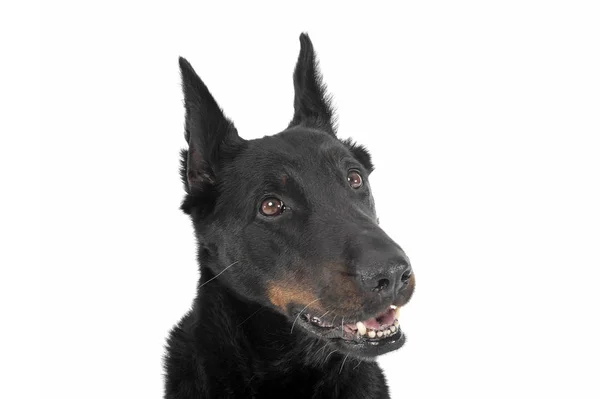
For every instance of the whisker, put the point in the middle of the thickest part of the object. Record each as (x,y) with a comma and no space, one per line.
(324,314)
(250,380)
(357,365)
(299,313)
(322,349)
(325,361)
(222,271)
(248,318)
(343,363)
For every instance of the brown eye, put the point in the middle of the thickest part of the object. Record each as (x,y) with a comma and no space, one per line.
(355,179)
(271,207)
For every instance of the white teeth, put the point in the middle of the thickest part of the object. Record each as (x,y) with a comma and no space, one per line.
(361,328)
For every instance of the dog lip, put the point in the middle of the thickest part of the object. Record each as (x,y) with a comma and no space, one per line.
(385,316)
(382,328)
(318,321)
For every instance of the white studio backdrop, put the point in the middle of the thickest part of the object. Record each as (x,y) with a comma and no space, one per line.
(483,122)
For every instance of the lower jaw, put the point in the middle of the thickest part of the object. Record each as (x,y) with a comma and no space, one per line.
(373,337)
(360,346)
(369,348)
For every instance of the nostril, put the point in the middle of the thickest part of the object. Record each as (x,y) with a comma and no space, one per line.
(406,276)
(382,285)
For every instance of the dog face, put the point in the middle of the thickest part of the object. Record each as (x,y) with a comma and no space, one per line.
(288,221)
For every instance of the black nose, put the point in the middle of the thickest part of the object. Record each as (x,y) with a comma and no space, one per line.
(386,276)
(381,265)
(382,284)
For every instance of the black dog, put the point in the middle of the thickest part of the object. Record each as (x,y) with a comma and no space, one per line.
(299,288)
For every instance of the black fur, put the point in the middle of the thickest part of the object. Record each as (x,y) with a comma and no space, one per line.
(248,333)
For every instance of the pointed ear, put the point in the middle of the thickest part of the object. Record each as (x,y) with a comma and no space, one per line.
(312,105)
(208,132)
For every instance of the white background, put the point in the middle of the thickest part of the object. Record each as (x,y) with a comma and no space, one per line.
(483,121)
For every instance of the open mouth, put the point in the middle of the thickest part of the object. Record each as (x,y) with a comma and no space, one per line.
(381,330)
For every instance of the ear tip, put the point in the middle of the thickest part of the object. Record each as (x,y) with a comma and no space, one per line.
(184,64)
(187,71)
(188,74)
(305,41)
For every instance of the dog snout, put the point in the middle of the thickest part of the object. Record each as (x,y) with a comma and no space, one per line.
(382,267)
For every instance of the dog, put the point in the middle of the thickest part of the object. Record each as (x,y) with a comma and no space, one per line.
(300,289)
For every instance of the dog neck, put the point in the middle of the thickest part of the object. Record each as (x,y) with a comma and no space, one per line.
(227,346)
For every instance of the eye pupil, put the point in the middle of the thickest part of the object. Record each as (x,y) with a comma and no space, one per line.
(271,207)
(355,179)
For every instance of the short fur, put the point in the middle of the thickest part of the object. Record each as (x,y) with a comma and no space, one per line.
(246,335)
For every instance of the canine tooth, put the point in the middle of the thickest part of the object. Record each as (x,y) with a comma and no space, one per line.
(386,332)
(361,328)
(393,307)
(397,313)
(393,328)
(379,334)
(371,334)
(396,323)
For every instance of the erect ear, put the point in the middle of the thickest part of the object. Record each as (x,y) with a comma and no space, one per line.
(208,132)
(312,105)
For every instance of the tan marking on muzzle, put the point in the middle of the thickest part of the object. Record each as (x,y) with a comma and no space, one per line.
(407,293)
(281,294)
(411,282)
(344,287)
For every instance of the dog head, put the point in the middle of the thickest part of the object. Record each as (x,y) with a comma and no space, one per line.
(288,221)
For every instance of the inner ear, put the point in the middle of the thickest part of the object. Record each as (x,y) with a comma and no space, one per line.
(207,130)
(361,154)
(211,138)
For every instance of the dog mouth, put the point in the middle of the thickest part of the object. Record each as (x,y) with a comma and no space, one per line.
(379,330)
